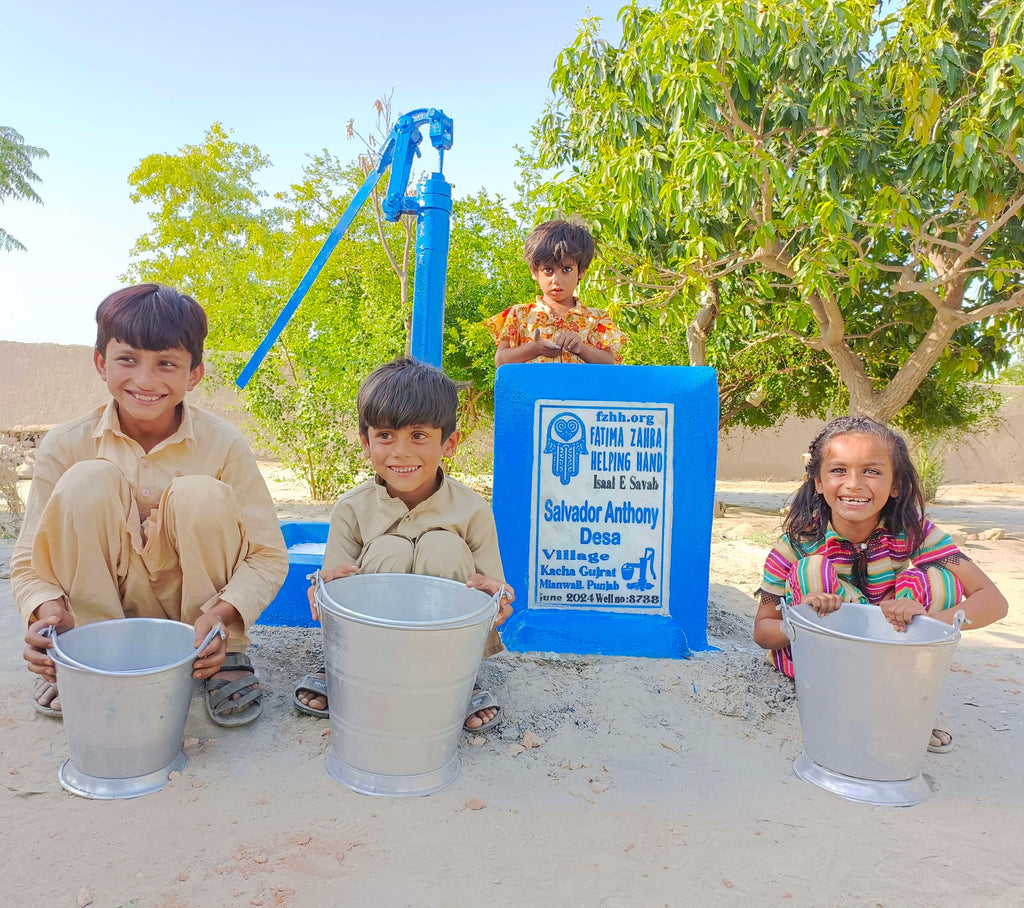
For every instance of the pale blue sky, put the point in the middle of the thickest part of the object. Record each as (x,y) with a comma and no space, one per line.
(102,85)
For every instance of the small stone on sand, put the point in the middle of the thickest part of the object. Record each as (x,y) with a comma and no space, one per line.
(84,898)
(529,739)
(475,804)
(516,749)
(191,742)
(182,876)
(174,774)
(598,787)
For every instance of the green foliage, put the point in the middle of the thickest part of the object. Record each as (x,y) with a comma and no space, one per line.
(928,452)
(1013,374)
(17,176)
(216,235)
(486,274)
(853,182)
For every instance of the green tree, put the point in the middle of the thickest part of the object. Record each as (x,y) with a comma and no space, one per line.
(486,274)
(17,176)
(852,184)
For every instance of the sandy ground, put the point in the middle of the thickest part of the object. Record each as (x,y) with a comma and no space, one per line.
(657,782)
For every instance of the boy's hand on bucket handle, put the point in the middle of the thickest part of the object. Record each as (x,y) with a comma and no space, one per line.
(900,612)
(491,586)
(208,662)
(53,613)
(326,575)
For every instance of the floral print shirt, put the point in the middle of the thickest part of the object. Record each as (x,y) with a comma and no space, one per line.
(518,325)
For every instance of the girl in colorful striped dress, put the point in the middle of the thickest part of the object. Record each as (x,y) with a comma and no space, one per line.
(856,532)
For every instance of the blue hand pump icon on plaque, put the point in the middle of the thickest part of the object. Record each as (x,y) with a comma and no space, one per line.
(567,439)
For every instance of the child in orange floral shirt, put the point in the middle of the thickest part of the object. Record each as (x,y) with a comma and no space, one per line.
(556,327)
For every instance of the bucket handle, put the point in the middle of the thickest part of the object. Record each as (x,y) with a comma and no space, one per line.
(51,632)
(789,628)
(216,631)
(788,625)
(318,583)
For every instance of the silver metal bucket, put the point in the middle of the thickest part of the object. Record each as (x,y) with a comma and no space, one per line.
(125,687)
(868,696)
(401,653)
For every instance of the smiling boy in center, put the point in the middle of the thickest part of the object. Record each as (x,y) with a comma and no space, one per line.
(412,518)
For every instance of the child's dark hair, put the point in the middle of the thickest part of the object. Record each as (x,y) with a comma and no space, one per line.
(810,514)
(152,317)
(552,242)
(406,392)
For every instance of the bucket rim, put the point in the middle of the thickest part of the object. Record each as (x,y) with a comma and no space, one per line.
(435,624)
(950,632)
(67,661)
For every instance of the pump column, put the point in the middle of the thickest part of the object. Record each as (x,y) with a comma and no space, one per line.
(433,212)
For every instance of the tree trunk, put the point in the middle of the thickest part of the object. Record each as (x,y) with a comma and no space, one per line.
(884,403)
(697,331)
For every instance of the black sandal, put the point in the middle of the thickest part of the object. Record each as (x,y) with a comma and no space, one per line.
(220,706)
(314,685)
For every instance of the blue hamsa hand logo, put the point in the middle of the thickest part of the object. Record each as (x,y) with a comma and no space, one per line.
(566,441)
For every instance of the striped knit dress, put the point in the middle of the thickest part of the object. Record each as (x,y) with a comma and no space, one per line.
(882,567)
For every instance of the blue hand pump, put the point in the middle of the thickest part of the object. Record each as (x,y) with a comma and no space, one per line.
(432,206)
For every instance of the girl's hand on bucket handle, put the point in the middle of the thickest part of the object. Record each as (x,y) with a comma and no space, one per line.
(823,603)
(327,575)
(52,613)
(900,612)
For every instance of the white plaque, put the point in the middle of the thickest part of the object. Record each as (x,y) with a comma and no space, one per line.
(601,528)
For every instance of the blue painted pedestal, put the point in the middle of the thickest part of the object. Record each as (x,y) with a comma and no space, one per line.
(604,480)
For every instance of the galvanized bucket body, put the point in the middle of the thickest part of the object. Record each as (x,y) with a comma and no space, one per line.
(125,687)
(401,653)
(868,694)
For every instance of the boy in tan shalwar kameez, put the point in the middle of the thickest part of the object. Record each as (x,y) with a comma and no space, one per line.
(148,507)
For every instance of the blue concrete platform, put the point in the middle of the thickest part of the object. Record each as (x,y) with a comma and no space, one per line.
(290,607)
